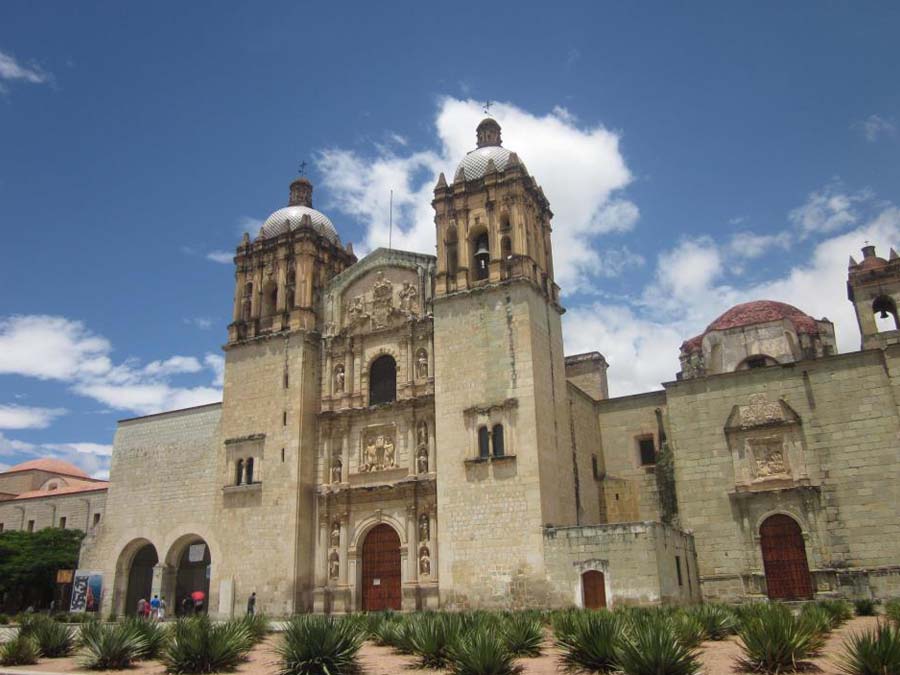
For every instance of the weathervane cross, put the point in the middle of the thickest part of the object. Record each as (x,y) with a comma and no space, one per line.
(487,106)
(302,168)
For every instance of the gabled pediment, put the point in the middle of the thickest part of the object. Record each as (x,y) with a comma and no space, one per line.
(760,412)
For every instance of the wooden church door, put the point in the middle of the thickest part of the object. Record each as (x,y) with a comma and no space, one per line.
(593,589)
(784,559)
(381,570)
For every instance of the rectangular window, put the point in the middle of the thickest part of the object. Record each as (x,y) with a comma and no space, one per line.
(678,569)
(31,526)
(647,450)
(62,523)
(96,519)
(284,418)
(687,571)
(282,454)
(285,380)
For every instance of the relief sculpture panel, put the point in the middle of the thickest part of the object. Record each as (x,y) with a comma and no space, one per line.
(379,449)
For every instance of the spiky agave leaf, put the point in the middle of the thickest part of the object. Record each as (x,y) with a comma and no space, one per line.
(52,638)
(430,636)
(522,634)
(319,645)
(154,636)
(111,647)
(22,650)
(688,629)
(200,646)
(653,648)
(874,652)
(892,610)
(775,641)
(590,640)
(482,653)
(718,621)
(840,611)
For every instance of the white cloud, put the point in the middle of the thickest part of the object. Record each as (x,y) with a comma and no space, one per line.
(50,348)
(224,257)
(875,126)
(84,448)
(93,458)
(828,210)
(688,268)
(752,245)
(11,71)
(24,417)
(57,348)
(248,224)
(217,364)
(614,261)
(580,168)
(201,322)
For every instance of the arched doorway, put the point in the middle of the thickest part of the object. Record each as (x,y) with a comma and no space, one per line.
(192,572)
(140,577)
(784,558)
(381,569)
(593,590)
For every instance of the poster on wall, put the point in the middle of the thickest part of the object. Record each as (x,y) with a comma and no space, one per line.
(86,590)
(196,552)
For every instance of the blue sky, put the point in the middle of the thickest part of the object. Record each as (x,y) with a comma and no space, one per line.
(695,157)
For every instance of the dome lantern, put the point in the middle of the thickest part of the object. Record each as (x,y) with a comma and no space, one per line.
(488,133)
(301,193)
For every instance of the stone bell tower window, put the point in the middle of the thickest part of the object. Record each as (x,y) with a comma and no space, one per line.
(497,440)
(249,470)
(646,450)
(482,257)
(452,247)
(885,312)
(239,472)
(383,380)
(484,442)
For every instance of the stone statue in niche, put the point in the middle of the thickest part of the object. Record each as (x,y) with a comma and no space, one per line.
(422,460)
(379,450)
(424,528)
(408,295)
(339,379)
(422,364)
(335,534)
(334,565)
(422,435)
(336,470)
(424,561)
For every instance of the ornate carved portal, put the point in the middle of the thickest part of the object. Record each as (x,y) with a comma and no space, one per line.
(379,449)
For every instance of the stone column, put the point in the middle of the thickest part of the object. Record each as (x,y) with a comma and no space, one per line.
(329,373)
(412,536)
(282,285)
(257,294)
(321,570)
(345,454)
(345,526)
(156,586)
(238,295)
(328,459)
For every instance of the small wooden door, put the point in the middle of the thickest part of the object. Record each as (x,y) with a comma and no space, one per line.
(381,570)
(593,589)
(784,559)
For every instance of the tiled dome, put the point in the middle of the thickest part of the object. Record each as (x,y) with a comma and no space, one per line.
(475,162)
(289,218)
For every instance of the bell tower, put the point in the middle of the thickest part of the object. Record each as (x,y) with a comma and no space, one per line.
(501,406)
(493,221)
(873,286)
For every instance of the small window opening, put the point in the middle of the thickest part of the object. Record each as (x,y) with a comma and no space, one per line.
(286,380)
(62,523)
(594,467)
(647,449)
(497,440)
(885,312)
(482,257)
(96,519)
(484,442)
(617,496)
(383,380)
(678,569)
(31,526)
(249,470)
(282,454)
(284,418)
(239,472)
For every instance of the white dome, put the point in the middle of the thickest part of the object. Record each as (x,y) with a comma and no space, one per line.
(289,218)
(475,162)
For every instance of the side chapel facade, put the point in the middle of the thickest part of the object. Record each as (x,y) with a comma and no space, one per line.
(405,432)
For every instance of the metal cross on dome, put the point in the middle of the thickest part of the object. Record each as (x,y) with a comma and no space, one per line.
(302,168)
(487,106)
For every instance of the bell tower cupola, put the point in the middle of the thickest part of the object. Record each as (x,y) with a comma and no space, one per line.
(492,221)
(873,286)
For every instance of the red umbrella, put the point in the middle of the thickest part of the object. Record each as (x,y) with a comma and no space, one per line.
(198,596)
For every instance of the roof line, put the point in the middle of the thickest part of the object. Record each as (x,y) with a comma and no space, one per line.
(169,412)
(54,493)
(56,473)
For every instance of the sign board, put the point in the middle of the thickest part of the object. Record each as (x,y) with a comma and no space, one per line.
(87,588)
(376,582)
(65,576)
(196,552)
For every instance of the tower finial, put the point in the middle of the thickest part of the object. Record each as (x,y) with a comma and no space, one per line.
(301,191)
(487,107)
(488,132)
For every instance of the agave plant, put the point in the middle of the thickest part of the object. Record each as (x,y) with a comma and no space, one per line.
(718,621)
(430,636)
(892,610)
(818,619)
(864,607)
(590,641)
(387,632)
(840,611)
(52,638)
(653,648)
(110,647)
(775,641)
(319,645)
(20,651)
(153,636)
(522,635)
(258,625)
(199,646)
(874,652)
(482,653)
(562,621)
(687,628)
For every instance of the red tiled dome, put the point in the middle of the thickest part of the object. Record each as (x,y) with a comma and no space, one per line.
(51,466)
(752,313)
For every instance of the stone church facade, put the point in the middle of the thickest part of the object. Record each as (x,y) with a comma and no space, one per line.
(405,432)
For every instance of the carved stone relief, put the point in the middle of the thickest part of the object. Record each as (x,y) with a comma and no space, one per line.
(424,528)
(422,448)
(335,534)
(768,457)
(421,364)
(336,470)
(760,412)
(339,379)
(334,565)
(379,450)
(408,295)
(382,300)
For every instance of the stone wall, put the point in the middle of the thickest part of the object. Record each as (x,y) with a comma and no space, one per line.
(78,509)
(636,559)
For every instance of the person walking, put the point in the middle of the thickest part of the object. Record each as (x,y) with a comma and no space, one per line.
(154,607)
(162,608)
(186,605)
(251,604)
(141,606)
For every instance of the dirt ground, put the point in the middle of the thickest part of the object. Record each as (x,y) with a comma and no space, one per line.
(718,658)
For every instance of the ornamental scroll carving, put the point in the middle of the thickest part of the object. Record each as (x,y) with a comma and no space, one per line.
(379,449)
(760,412)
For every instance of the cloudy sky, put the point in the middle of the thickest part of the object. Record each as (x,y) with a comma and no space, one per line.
(693,159)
